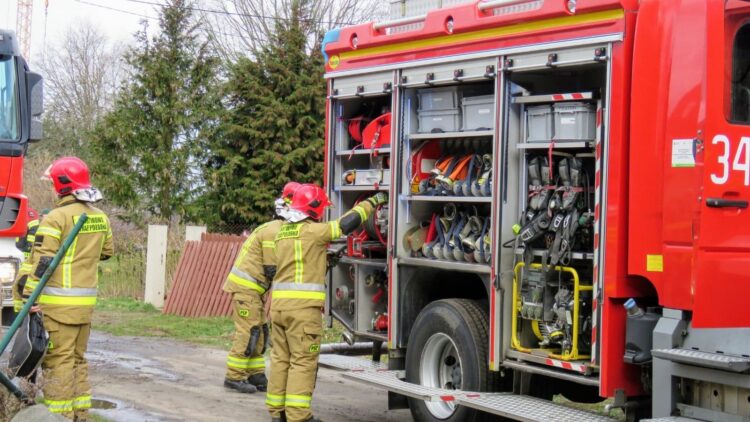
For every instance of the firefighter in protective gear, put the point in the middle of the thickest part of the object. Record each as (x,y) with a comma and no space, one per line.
(298,297)
(25,269)
(25,243)
(68,299)
(248,281)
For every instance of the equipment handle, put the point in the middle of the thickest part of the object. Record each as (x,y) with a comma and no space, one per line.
(30,302)
(726,203)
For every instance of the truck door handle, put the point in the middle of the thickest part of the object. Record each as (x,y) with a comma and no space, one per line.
(726,203)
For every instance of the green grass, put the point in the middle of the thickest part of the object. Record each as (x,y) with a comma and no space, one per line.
(122,275)
(129,317)
(592,407)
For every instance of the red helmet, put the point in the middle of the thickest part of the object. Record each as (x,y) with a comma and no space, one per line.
(68,174)
(289,190)
(310,200)
(33,215)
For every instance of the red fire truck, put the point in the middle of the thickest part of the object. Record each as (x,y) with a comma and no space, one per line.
(568,214)
(20,108)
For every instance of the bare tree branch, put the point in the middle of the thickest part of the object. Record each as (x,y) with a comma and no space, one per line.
(82,73)
(246,25)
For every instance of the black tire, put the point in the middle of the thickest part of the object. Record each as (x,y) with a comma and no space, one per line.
(466,323)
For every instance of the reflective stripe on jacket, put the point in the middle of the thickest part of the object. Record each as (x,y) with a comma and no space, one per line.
(248,274)
(70,294)
(301,260)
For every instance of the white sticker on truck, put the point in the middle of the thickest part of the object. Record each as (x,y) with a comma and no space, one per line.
(682,153)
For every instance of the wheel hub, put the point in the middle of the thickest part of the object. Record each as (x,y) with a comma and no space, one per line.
(440,367)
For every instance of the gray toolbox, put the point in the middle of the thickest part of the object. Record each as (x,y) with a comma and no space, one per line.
(575,121)
(478,112)
(439,110)
(437,121)
(539,123)
(438,99)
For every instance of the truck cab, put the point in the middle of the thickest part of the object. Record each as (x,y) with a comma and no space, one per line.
(20,109)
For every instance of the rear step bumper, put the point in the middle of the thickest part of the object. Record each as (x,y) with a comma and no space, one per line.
(508,405)
(729,363)
(671,419)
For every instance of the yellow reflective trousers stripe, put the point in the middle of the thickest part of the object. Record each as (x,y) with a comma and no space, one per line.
(59,406)
(68,300)
(246,363)
(300,401)
(274,400)
(82,402)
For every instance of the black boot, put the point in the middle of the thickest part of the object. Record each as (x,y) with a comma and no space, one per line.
(313,419)
(240,386)
(259,381)
(282,418)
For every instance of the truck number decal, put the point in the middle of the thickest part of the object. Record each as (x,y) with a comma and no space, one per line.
(740,163)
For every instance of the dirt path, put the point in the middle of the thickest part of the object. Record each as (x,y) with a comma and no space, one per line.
(153,379)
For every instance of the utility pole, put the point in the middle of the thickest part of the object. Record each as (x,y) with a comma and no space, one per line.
(24,11)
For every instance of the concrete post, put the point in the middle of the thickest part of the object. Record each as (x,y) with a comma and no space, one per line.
(156,265)
(193,233)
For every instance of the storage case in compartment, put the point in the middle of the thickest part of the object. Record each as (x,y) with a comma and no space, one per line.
(575,121)
(478,112)
(438,99)
(366,177)
(439,121)
(539,123)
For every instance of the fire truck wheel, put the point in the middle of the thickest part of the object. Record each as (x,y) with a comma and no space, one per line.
(448,349)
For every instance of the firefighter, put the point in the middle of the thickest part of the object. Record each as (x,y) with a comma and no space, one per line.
(247,282)
(26,246)
(25,243)
(298,297)
(67,301)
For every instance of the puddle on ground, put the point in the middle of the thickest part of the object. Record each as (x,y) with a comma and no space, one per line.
(103,404)
(136,364)
(119,411)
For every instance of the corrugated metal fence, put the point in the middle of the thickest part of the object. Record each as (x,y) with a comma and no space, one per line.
(203,267)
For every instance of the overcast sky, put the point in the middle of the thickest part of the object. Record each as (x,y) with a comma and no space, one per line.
(118,24)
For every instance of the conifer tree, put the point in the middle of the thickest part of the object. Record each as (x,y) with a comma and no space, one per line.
(147,149)
(273,130)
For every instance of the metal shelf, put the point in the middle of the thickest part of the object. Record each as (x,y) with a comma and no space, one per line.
(362,151)
(558,145)
(584,256)
(472,199)
(446,265)
(554,98)
(383,188)
(453,135)
(363,261)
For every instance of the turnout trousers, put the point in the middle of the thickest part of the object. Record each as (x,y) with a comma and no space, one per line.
(66,373)
(296,338)
(248,316)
